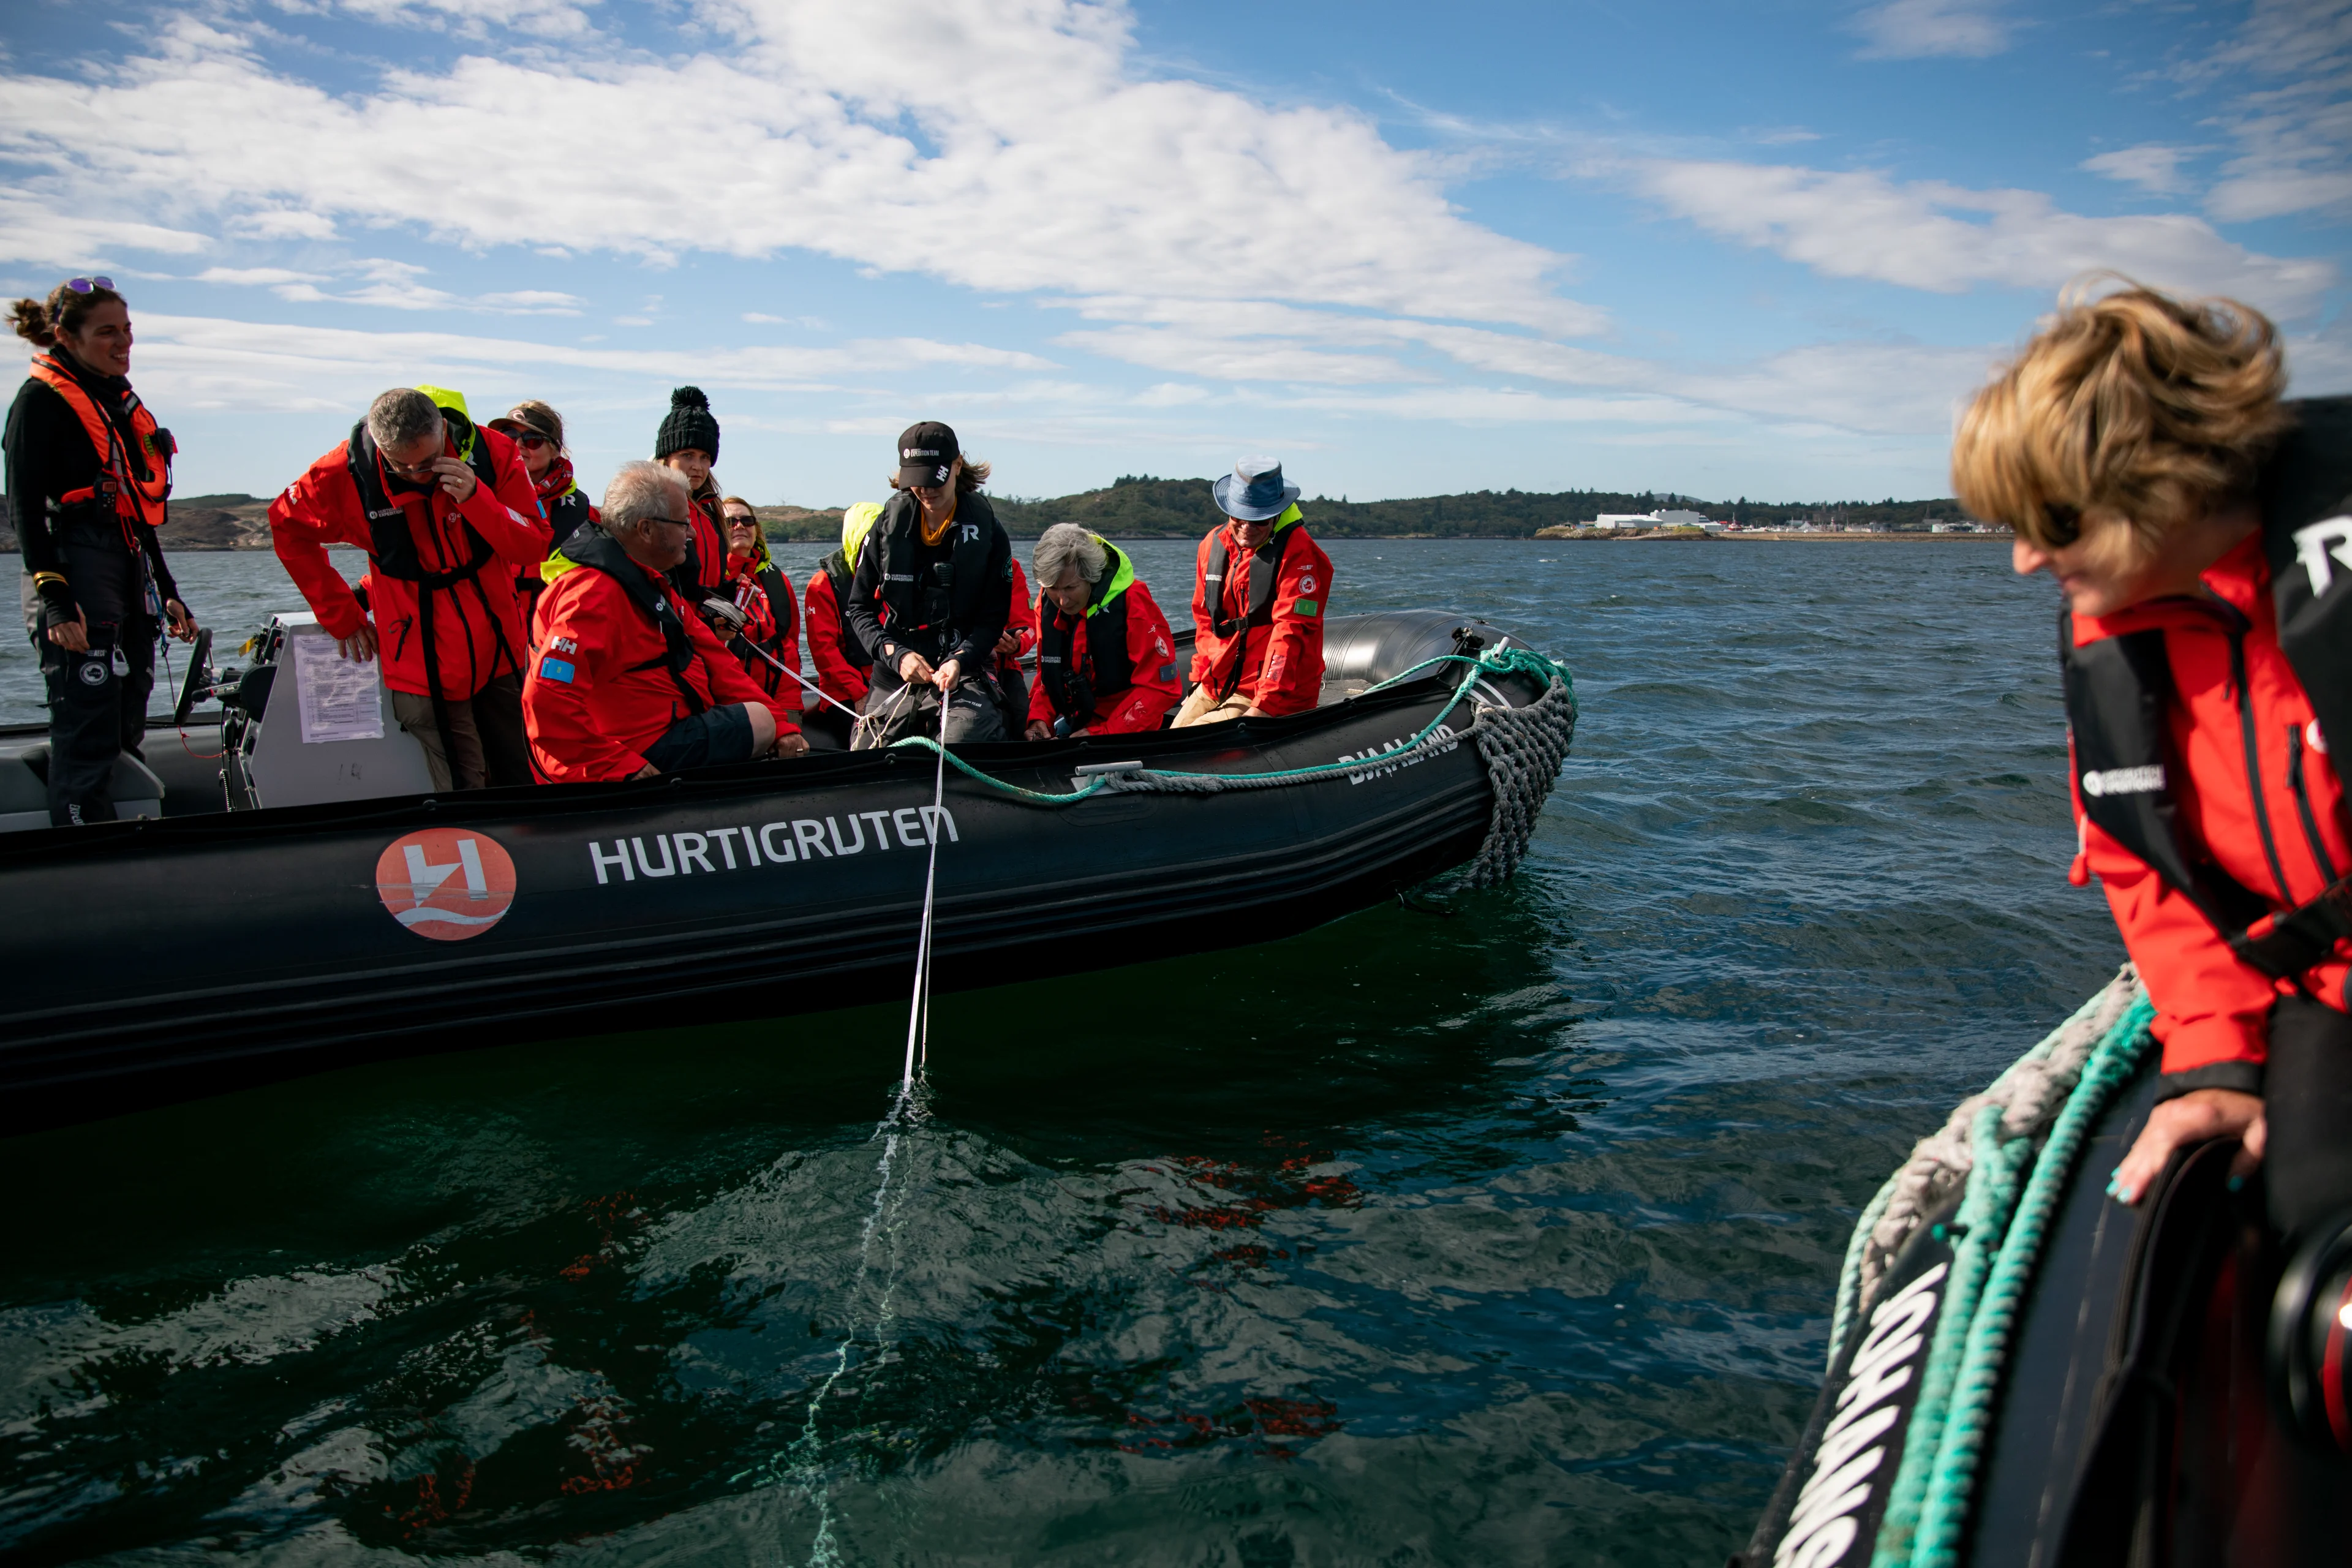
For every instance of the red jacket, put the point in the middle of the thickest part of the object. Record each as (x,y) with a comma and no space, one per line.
(591,711)
(1022,622)
(1281,663)
(745,589)
(1149,650)
(2211,1006)
(836,676)
(477,626)
(710,557)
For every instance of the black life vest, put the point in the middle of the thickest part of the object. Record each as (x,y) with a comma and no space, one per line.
(1265,576)
(2119,691)
(838,575)
(950,601)
(657,600)
(1075,691)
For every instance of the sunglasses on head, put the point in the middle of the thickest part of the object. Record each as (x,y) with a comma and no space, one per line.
(84,284)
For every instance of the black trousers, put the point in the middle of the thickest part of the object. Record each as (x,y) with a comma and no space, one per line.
(2307,1103)
(97,699)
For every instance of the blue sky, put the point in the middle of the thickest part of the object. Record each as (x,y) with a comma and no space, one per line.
(1757,249)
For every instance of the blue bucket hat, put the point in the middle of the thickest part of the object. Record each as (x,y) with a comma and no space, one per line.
(1253,492)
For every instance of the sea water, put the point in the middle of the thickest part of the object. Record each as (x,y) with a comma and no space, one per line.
(1501,1235)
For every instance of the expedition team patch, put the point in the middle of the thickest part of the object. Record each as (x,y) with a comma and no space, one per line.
(553,668)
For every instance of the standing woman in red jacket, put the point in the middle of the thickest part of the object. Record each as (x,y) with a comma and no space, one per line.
(2201,531)
(88,472)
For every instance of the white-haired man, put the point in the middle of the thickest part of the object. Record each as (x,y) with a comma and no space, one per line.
(622,684)
(1105,663)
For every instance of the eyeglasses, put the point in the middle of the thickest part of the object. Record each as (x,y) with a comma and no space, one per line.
(674,521)
(84,284)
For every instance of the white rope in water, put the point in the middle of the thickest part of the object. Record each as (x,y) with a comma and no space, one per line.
(919,1011)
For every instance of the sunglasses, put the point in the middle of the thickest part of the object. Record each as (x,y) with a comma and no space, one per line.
(2062,524)
(743,522)
(84,284)
(533,442)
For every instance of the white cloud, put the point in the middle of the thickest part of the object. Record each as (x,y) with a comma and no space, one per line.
(1051,169)
(258,276)
(1915,29)
(393,285)
(211,361)
(2286,80)
(2153,167)
(36,229)
(1946,239)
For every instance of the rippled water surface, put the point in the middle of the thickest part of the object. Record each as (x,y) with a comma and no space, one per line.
(1506,1237)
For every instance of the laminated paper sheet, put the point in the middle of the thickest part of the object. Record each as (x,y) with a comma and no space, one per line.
(340,698)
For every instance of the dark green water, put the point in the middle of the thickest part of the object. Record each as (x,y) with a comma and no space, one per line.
(1501,1239)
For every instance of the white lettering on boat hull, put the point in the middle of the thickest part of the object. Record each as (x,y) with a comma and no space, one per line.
(780,843)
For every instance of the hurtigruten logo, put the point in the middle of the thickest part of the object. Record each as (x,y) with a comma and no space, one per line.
(444,883)
(2145,780)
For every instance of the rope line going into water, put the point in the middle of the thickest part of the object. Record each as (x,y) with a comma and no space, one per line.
(919,1012)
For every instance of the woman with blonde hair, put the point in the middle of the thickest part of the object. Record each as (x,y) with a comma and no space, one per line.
(2200,529)
(88,473)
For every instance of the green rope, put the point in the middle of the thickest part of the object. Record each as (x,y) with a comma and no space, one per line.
(1495,662)
(1848,1300)
(1849,1291)
(2013,1191)
(1951,1486)
(1995,1170)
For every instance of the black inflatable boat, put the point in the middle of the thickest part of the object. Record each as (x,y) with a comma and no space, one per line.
(2025,1374)
(189,951)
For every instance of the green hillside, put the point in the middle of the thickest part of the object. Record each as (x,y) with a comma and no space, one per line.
(1143,507)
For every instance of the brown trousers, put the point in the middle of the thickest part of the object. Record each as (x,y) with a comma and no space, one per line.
(1203,708)
(485,745)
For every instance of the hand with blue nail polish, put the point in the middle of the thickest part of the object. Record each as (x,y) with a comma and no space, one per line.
(2194,1117)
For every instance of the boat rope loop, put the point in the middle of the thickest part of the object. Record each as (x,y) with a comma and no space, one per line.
(2014,1147)
(1522,748)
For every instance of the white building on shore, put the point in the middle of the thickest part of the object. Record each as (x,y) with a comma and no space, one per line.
(1644,521)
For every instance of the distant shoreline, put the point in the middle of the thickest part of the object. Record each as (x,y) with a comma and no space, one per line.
(253,545)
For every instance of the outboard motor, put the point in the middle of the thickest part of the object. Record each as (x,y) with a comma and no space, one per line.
(2311,1340)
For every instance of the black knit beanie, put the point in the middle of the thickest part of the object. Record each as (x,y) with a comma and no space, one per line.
(689,423)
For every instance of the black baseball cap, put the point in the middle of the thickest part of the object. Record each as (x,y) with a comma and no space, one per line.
(926,454)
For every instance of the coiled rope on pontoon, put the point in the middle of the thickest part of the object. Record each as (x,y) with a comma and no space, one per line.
(1521,747)
(2014,1147)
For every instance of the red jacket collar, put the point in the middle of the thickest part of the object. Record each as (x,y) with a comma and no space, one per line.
(2240,579)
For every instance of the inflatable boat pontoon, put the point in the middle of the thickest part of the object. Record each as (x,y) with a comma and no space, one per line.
(288,897)
(2025,1374)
